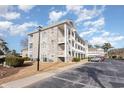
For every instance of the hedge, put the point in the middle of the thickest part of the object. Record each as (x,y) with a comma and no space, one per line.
(76,59)
(2,60)
(14,61)
(26,58)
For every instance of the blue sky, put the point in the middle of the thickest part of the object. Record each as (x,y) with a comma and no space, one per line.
(97,24)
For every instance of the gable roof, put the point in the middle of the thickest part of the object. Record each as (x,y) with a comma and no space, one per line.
(53,25)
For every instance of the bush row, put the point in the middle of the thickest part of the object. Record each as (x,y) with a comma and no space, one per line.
(26,58)
(117,58)
(76,59)
(15,61)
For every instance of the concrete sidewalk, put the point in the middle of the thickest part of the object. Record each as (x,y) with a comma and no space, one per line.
(35,78)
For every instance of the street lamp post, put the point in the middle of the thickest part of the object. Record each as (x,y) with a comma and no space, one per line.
(38,57)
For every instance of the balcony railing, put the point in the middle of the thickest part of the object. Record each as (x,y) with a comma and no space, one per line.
(61,53)
(30,39)
(61,40)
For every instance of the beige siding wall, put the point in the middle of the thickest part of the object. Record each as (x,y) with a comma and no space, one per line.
(48,44)
(35,45)
(24,53)
(52,43)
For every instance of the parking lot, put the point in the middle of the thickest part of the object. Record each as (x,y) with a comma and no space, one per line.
(108,74)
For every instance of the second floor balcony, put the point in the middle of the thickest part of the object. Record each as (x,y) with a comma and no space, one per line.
(61,40)
(61,53)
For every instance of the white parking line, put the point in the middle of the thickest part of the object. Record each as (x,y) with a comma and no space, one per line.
(72,81)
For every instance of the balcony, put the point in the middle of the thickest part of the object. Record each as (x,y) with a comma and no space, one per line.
(60,40)
(61,53)
(30,40)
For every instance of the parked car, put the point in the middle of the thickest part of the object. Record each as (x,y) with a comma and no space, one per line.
(102,58)
(95,59)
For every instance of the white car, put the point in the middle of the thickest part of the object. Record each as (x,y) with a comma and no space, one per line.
(95,59)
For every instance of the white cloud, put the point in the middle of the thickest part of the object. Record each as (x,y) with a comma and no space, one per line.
(4,8)
(87,14)
(87,33)
(106,37)
(26,8)
(105,34)
(7,12)
(1,35)
(5,25)
(16,29)
(97,23)
(21,29)
(11,15)
(74,8)
(91,27)
(98,41)
(55,15)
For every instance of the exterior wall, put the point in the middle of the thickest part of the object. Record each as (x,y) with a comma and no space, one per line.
(24,53)
(48,45)
(96,52)
(56,44)
(116,53)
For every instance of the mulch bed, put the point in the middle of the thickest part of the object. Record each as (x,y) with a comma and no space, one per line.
(4,71)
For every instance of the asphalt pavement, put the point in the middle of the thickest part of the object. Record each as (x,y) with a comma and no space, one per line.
(108,74)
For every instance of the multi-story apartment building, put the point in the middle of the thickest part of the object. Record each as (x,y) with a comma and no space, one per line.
(24,52)
(116,53)
(58,42)
(92,52)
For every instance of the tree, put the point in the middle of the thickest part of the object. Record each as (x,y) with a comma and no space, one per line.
(97,46)
(3,50)
(24,43)
(13,52)
(90,46)
(3,46)
(106,46)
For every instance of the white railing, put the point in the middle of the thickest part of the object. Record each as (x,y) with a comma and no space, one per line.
(61,40)
(61,53)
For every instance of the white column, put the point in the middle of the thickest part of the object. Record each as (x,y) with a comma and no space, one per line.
(65,40)
(28,46)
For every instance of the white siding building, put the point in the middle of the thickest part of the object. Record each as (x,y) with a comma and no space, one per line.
(58,42)
(92,52)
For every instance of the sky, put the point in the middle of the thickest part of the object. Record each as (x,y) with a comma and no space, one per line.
(97,24)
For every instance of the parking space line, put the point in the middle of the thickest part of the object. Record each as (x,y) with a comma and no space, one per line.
(72,81)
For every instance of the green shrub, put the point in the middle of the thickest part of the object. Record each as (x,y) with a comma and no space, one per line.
(114,57)
(82,58)
(120,58)
(2,60)
(89,58)
(26,58)
(76,59)
(14,61)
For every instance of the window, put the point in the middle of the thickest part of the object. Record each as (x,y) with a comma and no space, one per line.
(31,45)
(73,43)
(73,34)
(43,45)
(52,42)
(30,55)
(43,34)
(70,53)
(69,32)
(31,35)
